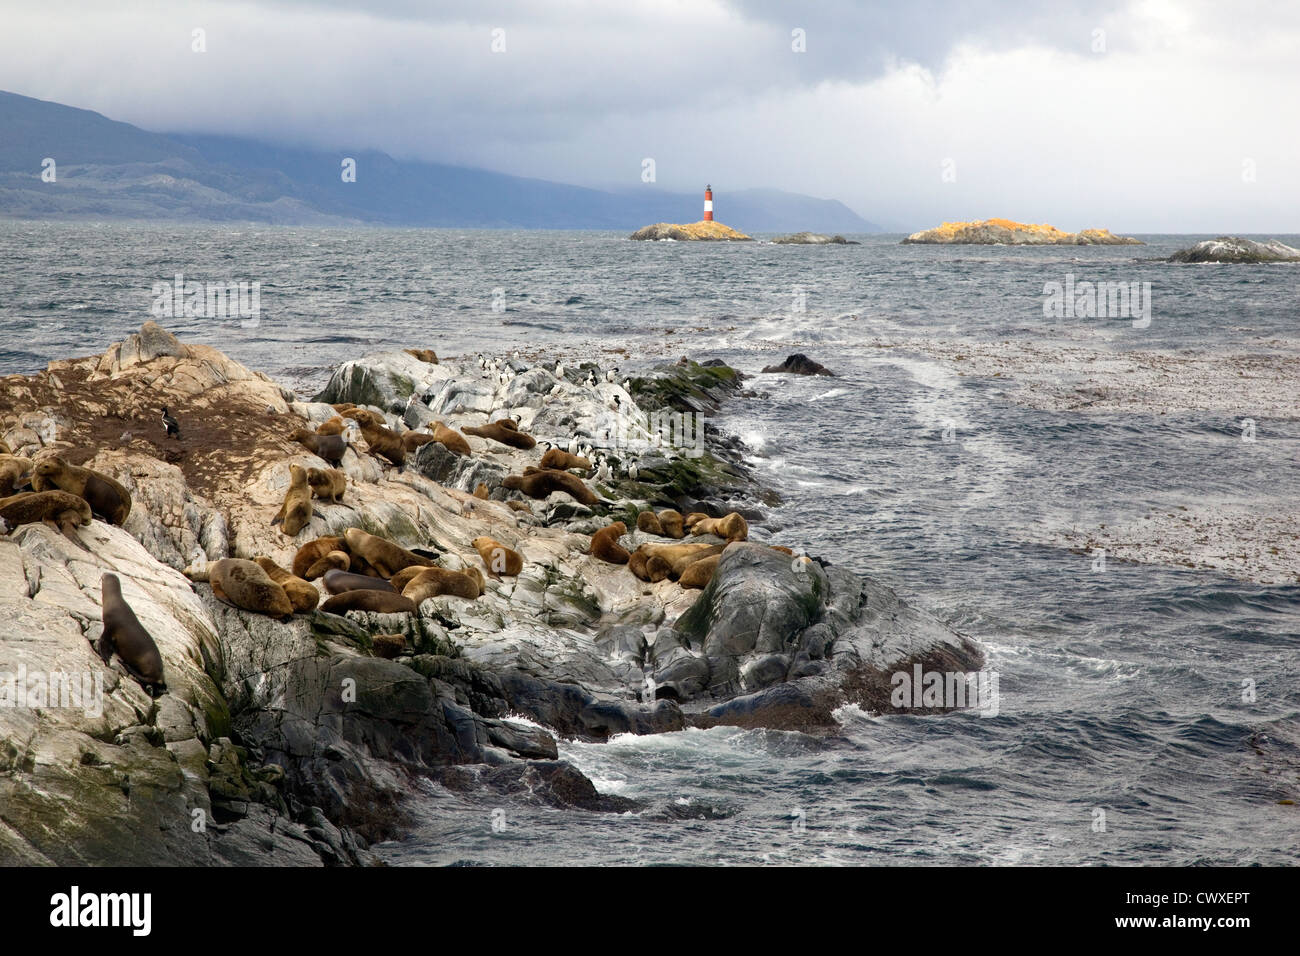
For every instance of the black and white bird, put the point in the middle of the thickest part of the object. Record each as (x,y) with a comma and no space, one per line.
(632,469)
(591,379)
(173,427)
(559,369)
(627,385)
(602,470)
(611,374)
(573,445)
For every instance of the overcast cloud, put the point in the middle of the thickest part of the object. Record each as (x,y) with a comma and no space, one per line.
(1184,120)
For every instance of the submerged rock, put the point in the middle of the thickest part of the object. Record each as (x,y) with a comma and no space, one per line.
(1236,249)
(813,239)
(799,364)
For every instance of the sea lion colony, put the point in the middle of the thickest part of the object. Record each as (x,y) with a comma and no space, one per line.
(359,571)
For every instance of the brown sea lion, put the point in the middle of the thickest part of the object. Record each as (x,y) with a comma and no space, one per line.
(384,442)
(295,513)
(732,527)
(678,556)
(505,434)
(332,426)
(125,635)
(424,355)
(672,522)
(414,441)
(364,416)
(647,521)
(537,483)
(518,506)
(497,557)
(435,582)
(481,492)
(329,447)
(604,544)
(328,484)
(380,602)
(106,496)
(699,573)
(66,510)
(243,584)
(313,551)
(5,449)
(336,582)
(782,548)
(450,439)
(387,646)
(332,561)
(381,554)
(15,474)
(302,595)
(562,460)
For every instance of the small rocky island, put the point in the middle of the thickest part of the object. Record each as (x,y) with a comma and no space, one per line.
(311,687)
(1004,232)
(814,239)
(702,231)
(1236,249)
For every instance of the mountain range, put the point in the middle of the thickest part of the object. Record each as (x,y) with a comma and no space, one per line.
(104,169)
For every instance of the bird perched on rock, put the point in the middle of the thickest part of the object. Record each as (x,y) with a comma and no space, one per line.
(559,369)
(627,385)
(173,427)
(633,469)
(602,470)
(609,376)
(573,445)
(591,379)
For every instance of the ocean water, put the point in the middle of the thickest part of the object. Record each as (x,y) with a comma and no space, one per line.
(1122,734)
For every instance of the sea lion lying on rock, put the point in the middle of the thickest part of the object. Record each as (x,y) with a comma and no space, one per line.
(500,431)
(295,513)
(316,557)
(435,582)
(648,523)
(424,355)
(414,441)
(648,567)
(497,557)
(562,460)
(538,483)
(106,496)
(604,544)
(673,559)
(732,527)
(387,646)
(303,596)
(332,426)
(60,508)
(328,484)
(699,573)
(126,636)
(15,474)
(385,557)
(672,523)
(481,492)
(243,584)
(378,602)
(384,441)
(336,582)
(450,439)
(329,447)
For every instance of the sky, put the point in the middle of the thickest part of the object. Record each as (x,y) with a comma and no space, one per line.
(1133,115)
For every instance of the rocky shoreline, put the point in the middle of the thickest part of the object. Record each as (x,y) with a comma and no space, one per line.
(1005,232)
(298,741)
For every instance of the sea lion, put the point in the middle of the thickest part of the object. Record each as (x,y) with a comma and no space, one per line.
(500,432)
(315,551)
(15,474)
(732,527)
(381,554)
(106,496)
(329,447)
(328,484)
(537,483)
(332,426)
(380,602)
(385,442)
(5,449)
(497,557)
(125,635)
(679,556)
(672,523)
(387,646)
(364,416)
(331,561)
(604,544)
(782,548)
(414,441)
(647,521)
(402,578)
(562,460)
(295,513)
(481,492)
(336,582)
(66,510)
(647,566)
(243,584)
(302,595)
(518,506)
(424,355)
(450,439)
(435,582)
(699,573)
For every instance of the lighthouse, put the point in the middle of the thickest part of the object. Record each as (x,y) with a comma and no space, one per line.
(708,204)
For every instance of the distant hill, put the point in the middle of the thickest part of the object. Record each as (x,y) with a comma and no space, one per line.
(112,170)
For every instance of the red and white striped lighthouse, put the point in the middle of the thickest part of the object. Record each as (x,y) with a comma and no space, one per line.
(708,204)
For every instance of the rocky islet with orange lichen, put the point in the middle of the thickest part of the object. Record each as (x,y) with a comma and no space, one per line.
(704,230)
(1004,232)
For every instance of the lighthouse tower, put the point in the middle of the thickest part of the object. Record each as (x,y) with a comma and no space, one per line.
(708,204)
